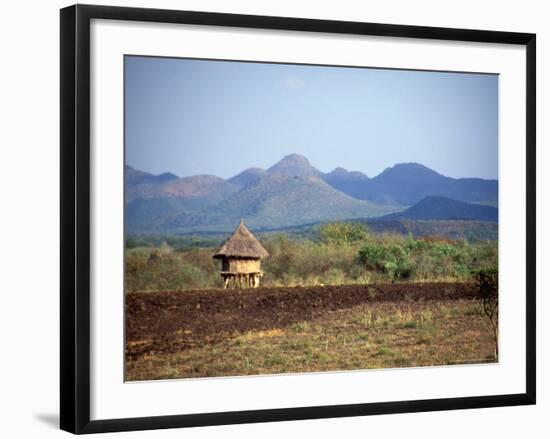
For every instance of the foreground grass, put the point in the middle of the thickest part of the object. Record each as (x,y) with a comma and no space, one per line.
(378,335)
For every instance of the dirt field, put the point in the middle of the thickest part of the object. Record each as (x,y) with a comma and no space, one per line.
(176,334)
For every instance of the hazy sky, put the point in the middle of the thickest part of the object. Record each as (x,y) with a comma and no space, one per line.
(214,117)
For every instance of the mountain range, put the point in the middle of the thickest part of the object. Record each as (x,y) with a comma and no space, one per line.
(293,192)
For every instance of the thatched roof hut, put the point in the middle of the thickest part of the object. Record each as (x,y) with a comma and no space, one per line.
(240,256)
(242,244)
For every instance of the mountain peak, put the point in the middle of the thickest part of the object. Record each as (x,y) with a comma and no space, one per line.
(410,165)
(338,171)
(408,170)
(294,165)
(294,159)
(136,177)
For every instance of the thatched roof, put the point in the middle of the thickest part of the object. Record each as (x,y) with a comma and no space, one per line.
(242,244)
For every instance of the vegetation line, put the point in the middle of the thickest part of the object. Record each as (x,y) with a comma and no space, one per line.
(340,253)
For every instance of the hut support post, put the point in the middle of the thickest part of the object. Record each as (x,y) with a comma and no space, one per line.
(241,280)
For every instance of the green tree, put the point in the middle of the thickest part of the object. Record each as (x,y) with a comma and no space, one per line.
(343,233)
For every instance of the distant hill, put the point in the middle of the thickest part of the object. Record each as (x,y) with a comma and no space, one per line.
(248,176)
(470,230)
(153,200)
(198,186)
(407,183)
(136,177)
(277,200)
(150,213)
(353,183)
(139,183)
(441,208)
(293,192)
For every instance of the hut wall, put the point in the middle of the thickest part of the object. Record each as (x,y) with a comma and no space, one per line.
(243,266)
(225,264)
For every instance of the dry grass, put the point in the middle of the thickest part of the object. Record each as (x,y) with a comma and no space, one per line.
(377,335)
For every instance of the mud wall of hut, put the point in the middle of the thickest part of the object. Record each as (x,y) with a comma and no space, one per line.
(241,266)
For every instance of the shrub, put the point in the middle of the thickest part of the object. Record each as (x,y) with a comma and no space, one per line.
(160,268)
(282,253)
(392,259)
(372,255)
(337,259)
(343,233)
(423,259)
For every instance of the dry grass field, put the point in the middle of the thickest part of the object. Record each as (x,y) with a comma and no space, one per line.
(209,333)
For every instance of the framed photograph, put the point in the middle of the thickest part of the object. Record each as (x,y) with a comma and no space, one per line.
(273,218)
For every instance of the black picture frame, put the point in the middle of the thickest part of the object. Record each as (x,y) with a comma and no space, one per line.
(75,217)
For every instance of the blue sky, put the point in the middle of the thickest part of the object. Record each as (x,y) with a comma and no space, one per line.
(216,117)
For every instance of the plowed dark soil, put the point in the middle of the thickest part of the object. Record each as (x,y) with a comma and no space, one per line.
(168,322)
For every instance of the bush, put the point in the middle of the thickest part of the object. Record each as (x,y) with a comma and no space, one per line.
(425,259)
(392,259)
(160,268)
(343,233)
(306,262)
(282,253)
(345,255)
